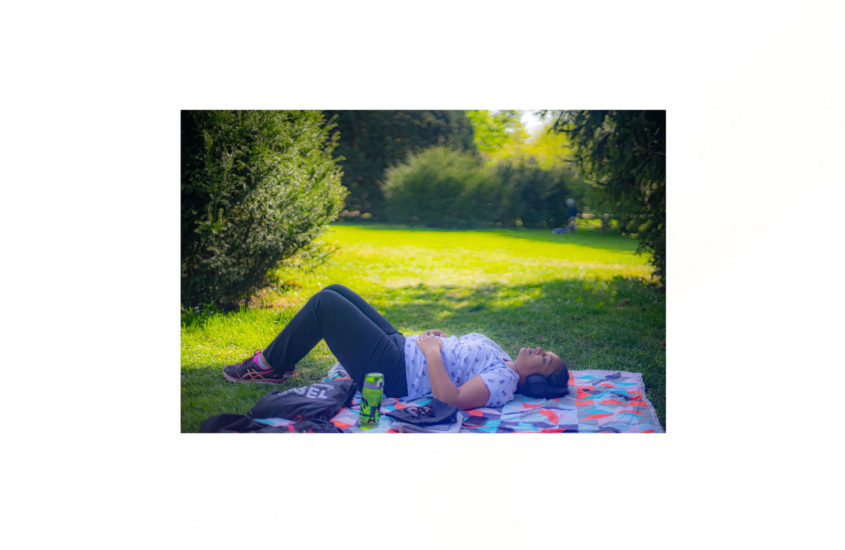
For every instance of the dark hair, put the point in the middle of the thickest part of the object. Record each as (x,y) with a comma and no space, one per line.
(554,385)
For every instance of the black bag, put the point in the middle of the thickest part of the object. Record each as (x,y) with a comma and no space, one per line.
(233,423)
(240,423)
(436,412)
(310,407)
(316,401)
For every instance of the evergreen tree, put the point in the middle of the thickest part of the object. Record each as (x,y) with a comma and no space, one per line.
(624,152)
(257,186)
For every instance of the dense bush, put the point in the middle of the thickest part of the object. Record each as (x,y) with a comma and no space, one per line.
(531,195)
(442,188)
(371,141)
(445,188)
(257,186)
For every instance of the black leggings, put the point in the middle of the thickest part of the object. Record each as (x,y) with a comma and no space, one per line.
(358,336)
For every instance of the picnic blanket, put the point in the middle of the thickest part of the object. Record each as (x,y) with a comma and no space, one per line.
(598,401)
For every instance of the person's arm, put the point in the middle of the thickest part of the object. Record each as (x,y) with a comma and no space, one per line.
(472,394)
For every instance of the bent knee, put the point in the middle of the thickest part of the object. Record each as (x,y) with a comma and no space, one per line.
(329,294)
(340,289)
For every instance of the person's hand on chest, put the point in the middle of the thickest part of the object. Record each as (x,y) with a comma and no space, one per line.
(429,342)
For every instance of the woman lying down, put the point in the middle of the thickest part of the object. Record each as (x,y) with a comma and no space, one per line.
(467,372)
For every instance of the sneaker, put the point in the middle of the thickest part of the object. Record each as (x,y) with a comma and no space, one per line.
(250,370)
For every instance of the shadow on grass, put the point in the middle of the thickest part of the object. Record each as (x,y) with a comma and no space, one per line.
(589,237)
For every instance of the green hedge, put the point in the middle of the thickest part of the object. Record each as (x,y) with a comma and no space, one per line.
(442,188)
(531,195)
(445,188)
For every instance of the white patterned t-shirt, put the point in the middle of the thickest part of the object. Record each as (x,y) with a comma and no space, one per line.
(464,358)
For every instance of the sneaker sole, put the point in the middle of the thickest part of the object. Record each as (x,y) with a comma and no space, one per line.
(285,376)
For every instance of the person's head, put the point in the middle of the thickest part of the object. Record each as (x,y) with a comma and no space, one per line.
(536,361)
(541,373)
(570,202)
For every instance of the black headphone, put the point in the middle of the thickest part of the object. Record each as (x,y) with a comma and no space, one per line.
(556,385)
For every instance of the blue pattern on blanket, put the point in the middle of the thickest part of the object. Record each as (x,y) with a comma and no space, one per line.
(598,401)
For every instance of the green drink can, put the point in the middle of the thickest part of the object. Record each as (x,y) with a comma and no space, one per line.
(371,395)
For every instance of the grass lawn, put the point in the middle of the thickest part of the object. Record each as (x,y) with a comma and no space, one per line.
(584,296)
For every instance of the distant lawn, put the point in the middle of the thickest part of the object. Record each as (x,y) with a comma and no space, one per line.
(584,296)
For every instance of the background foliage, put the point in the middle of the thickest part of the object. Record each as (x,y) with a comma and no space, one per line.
(624,153)
(494,132)
(531,195)
(372,141)
(257,186)
(441,187)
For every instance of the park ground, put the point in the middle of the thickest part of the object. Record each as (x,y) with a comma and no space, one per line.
(586,296)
